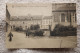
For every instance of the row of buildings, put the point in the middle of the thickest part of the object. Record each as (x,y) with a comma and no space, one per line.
(63,13)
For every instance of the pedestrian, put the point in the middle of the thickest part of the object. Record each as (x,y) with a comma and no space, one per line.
(10,36)
(27,32)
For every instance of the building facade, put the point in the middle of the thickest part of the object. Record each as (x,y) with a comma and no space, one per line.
(64,14)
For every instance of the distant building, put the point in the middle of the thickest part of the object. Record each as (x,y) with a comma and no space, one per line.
(46,21)
(64,14)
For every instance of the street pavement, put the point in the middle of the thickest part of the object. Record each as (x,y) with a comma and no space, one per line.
(19,40)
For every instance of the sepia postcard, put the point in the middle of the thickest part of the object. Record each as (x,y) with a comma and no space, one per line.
(41,25)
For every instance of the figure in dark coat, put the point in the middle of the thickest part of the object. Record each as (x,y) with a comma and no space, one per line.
(10,36)
(27,32)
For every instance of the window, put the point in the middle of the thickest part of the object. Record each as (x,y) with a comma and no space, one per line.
(75,17)
(56,17)
(62,17)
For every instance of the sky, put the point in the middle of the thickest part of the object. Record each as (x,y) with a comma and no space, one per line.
(30,9)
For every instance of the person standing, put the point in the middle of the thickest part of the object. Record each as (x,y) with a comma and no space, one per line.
(10,36)
(27,32)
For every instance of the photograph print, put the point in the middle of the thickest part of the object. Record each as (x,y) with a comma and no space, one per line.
(41,25)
